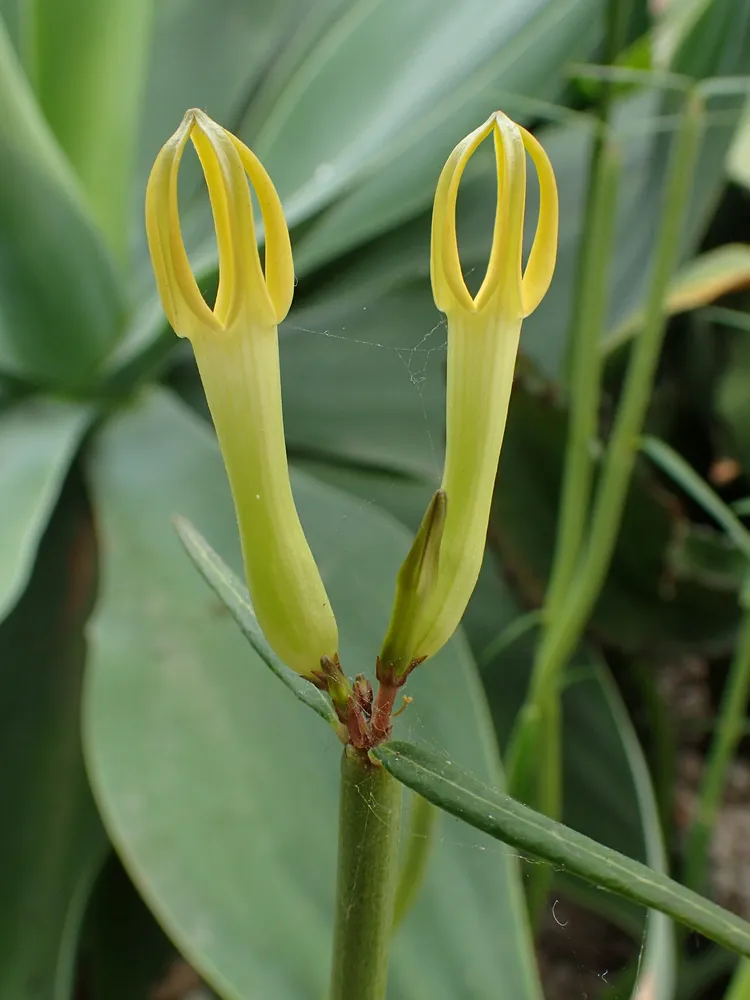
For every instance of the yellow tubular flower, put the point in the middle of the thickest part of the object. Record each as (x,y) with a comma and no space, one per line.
(236,348)
(483,335)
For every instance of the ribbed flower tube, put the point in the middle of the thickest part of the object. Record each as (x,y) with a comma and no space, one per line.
(236,349)
(483,338)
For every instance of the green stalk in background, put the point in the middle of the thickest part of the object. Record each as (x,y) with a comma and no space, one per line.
(589,317)
(534,763)
(739,988)
(423,817)
(587,325)
(369,827)
(728,732)
(730,724)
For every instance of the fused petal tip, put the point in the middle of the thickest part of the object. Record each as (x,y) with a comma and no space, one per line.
(245,287)
(519,293)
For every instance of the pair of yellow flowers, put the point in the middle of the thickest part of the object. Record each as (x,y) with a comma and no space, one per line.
(236,348)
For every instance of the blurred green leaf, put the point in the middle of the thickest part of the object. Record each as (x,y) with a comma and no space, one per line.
(640,607)
(12,13)
(364,380)
(701,280)
(685,476)
(51,841)
(389,73)
(38,438)
(716,42)
(218,789)
(733,395)
(87,62)
(461,794)
(217,56)
(235,597)
(510,55)
(400,85)
(126,954)
(739,155)
(709,558)
(60,310)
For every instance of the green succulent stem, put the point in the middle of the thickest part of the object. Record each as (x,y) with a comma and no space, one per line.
(739,987)
(730,727)
(369,831)
(589,316)
(587,325)
(564,630)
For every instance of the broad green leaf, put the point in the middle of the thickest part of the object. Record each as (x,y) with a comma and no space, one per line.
(364,380)
(217,787)
(87,61)
(702,280)
(394,176)
(59,302)
(12,13)
(235,597)
(443,782)
(51,840)
(393,76)
(38,438)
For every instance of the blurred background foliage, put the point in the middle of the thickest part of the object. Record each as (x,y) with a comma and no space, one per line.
(205,856)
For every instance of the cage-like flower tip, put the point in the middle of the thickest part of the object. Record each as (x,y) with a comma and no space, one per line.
(237,352)
(483,335)
(519,291)
(244,288)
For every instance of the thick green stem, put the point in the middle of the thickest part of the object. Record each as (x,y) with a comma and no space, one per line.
(565,629)
(560,641)
(739,988)
(587,327)
(727,734)
(585,383)
(369,827)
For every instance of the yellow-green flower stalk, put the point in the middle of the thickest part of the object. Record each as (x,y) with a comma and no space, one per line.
(236,348)
(439,575)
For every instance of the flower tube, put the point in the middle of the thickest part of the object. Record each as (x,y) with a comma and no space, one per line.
(236,349)
(440,573)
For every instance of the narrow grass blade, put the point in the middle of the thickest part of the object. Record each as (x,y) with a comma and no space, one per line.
(682,473)
(234,595)
(502,817)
